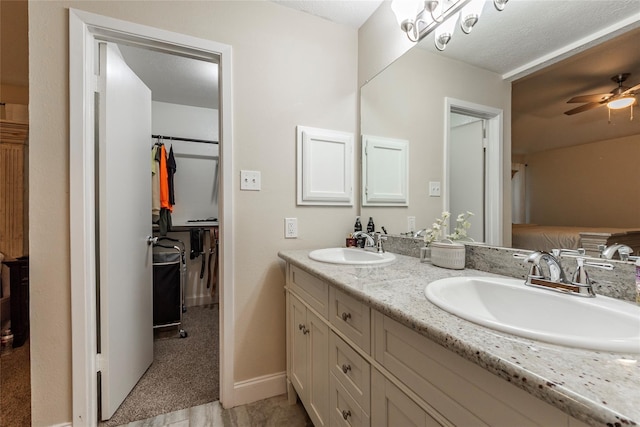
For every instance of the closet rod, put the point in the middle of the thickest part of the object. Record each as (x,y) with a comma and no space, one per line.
(177,138)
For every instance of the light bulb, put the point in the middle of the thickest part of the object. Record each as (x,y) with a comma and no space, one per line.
(405,12)
(470,15)
(443,33)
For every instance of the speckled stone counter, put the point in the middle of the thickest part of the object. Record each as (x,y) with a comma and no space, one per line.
(596,387)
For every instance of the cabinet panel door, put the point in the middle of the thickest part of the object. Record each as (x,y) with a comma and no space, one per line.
(299,348)
(390,407)
(318,370)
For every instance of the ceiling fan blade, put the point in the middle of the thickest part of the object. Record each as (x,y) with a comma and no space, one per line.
(631,90)
(584,107)
(590,98)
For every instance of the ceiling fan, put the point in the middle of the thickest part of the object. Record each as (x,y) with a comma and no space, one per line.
(620,97)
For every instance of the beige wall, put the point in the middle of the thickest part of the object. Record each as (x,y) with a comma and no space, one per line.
(289,69)
(406,101)
(585,185)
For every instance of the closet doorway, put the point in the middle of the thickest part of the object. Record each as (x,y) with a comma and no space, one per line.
(192,128)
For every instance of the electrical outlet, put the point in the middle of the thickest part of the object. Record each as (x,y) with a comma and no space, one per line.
(290,228)
(411,223)
(434,189)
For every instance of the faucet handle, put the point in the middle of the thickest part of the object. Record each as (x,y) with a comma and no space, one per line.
(580,276)
(557,252)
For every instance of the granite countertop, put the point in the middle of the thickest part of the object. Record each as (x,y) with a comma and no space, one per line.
(597,387)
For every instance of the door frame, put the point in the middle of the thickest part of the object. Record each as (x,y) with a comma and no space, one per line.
(84,29)
(494,168)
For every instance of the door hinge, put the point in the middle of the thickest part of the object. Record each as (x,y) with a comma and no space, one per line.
(100,362)
(98,84)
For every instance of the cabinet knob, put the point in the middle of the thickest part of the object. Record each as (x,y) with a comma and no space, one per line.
(346,414)
(346,368)
(346,316)
(303,328)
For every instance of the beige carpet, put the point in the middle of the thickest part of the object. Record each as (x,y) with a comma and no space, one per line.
(15,387)
(184,372)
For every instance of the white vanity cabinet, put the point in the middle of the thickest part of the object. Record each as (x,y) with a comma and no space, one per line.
(352,365)
(308,343)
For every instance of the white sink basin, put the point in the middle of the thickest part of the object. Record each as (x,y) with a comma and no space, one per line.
(507,305)
(350,256)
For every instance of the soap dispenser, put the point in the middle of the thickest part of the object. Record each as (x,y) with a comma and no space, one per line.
(370,226)
(358,225)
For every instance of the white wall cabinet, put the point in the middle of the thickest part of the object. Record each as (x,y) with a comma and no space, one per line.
(385,171)
(325,167)
(370,370)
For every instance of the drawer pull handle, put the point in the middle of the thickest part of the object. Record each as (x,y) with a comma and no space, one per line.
(303,328)
(346,414)
(346,368)
(346,316)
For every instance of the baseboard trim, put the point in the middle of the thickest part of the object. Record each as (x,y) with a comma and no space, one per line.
(259,388)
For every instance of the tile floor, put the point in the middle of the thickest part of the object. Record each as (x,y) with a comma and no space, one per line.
(272,412)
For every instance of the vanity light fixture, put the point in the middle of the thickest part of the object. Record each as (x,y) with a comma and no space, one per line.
(418,18)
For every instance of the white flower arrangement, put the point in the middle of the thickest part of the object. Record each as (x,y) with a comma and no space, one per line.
(437,229)
(462,225)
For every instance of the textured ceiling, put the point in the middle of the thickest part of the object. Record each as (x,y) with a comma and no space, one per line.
(531,33)
(352,13)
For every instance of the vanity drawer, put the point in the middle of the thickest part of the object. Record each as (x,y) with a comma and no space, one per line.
(352,370)
(312,290)
(351,317)
(345,411)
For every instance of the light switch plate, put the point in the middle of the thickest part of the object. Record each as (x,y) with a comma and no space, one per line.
(434,189)
(250,180)
(411,223)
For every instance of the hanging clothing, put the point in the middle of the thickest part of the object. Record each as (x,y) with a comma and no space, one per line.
(171,170)
(155,184)
(164,181)
(165,221)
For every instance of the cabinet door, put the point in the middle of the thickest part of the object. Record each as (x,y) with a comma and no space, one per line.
(391,407)
(299,348)
(318,370)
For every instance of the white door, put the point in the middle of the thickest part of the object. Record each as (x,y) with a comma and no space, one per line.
(466,175)
(124,222)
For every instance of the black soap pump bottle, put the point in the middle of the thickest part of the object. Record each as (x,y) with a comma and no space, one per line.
(358,225)
(370,226)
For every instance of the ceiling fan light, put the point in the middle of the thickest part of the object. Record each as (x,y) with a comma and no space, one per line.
(620,103)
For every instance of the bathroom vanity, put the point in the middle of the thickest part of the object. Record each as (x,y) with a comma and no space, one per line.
(366,347)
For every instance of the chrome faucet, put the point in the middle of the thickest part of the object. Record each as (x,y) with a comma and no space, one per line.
(374,241)
(580,283)
(419,233)
(370,241)
(556,274)
(608,252)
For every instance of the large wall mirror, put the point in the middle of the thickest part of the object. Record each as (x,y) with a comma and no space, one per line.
(571,173)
